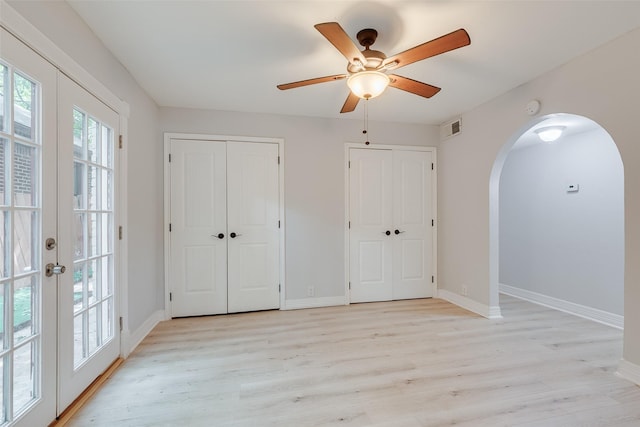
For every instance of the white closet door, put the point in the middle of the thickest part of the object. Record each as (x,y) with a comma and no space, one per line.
(412,216)
(371,232)
(253,214)
(198,228)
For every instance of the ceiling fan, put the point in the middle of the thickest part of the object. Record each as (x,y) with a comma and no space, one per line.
(367,69)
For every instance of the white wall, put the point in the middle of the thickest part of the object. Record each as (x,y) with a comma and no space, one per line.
(57,21)
(602,85)
(314,182)
(566,245)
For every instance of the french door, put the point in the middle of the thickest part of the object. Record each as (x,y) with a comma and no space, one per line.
(88,338)
(57,271)
(224,239)
(391,224)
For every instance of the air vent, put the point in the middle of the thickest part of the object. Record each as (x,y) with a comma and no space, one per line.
(450,129)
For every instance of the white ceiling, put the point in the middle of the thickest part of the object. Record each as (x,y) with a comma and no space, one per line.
(230,55)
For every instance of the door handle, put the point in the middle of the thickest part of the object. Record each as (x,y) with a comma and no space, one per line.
(388,233)
(398,231)
(234,235)
(219,236)
(50,269)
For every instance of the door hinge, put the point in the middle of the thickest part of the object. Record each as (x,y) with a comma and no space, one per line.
(432,223)
(433,279)
(120,233)
(121,323)
(431,166)
(349,224)
(169,157)
(349,285)
(120,141)
(279,287)
(169,227)
(170,296)
(278,159)
(278,223)
(349,164)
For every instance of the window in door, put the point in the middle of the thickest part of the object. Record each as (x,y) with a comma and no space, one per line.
(20,234)
(93,218)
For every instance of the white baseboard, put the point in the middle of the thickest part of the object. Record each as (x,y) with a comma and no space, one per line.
(629,371)
(468,304)
(296,304)
(600,316)
(131,340)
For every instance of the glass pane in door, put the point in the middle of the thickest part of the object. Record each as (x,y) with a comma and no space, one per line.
(92,228)
(20,234)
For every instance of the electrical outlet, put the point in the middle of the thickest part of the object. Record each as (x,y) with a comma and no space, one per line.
(311,291)
(464,290)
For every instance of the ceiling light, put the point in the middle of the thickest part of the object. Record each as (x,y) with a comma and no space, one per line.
(550,133)
(368,84)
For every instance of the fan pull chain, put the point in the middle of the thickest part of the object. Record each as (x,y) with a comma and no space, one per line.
(366,122)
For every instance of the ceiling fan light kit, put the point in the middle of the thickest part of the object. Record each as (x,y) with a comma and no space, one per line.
(368,84)
(366,69)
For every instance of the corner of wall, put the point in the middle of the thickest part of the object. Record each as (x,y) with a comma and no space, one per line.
(490,312)
(129,341)
(629,371)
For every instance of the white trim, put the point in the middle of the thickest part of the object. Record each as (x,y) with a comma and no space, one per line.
(590,313)
(168,136)
(629,371)
(434,203)
(20,27)
(297,304)
(468,304)
(167,221)
(122,220)
(131,340)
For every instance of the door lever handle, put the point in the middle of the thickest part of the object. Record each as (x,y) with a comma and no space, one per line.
(398,231)
(234,235)
(219,235)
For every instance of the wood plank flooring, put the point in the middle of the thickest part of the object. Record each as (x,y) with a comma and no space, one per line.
(401,364)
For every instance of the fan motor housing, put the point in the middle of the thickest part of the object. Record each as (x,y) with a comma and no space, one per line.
(374,60)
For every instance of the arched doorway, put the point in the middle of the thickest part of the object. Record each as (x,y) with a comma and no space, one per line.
(557,219)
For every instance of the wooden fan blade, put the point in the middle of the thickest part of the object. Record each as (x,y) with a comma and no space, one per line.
(337,36)
(413,86)
(311,81)
(446,43)
(350,104)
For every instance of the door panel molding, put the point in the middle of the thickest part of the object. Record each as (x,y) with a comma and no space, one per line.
(229,139)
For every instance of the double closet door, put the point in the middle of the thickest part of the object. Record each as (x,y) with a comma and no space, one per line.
(225,223)
(391,222)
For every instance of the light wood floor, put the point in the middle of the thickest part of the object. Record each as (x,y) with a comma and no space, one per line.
(405,363)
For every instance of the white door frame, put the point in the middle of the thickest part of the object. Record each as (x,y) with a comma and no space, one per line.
(434,188)
(22,29)
(168,136)
(32,37)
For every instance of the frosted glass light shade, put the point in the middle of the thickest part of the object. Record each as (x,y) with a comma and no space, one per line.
(368,84)
(550,133)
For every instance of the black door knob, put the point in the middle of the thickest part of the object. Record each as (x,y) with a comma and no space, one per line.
(398,231)
(388,233)
(220,236)
(233,235)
